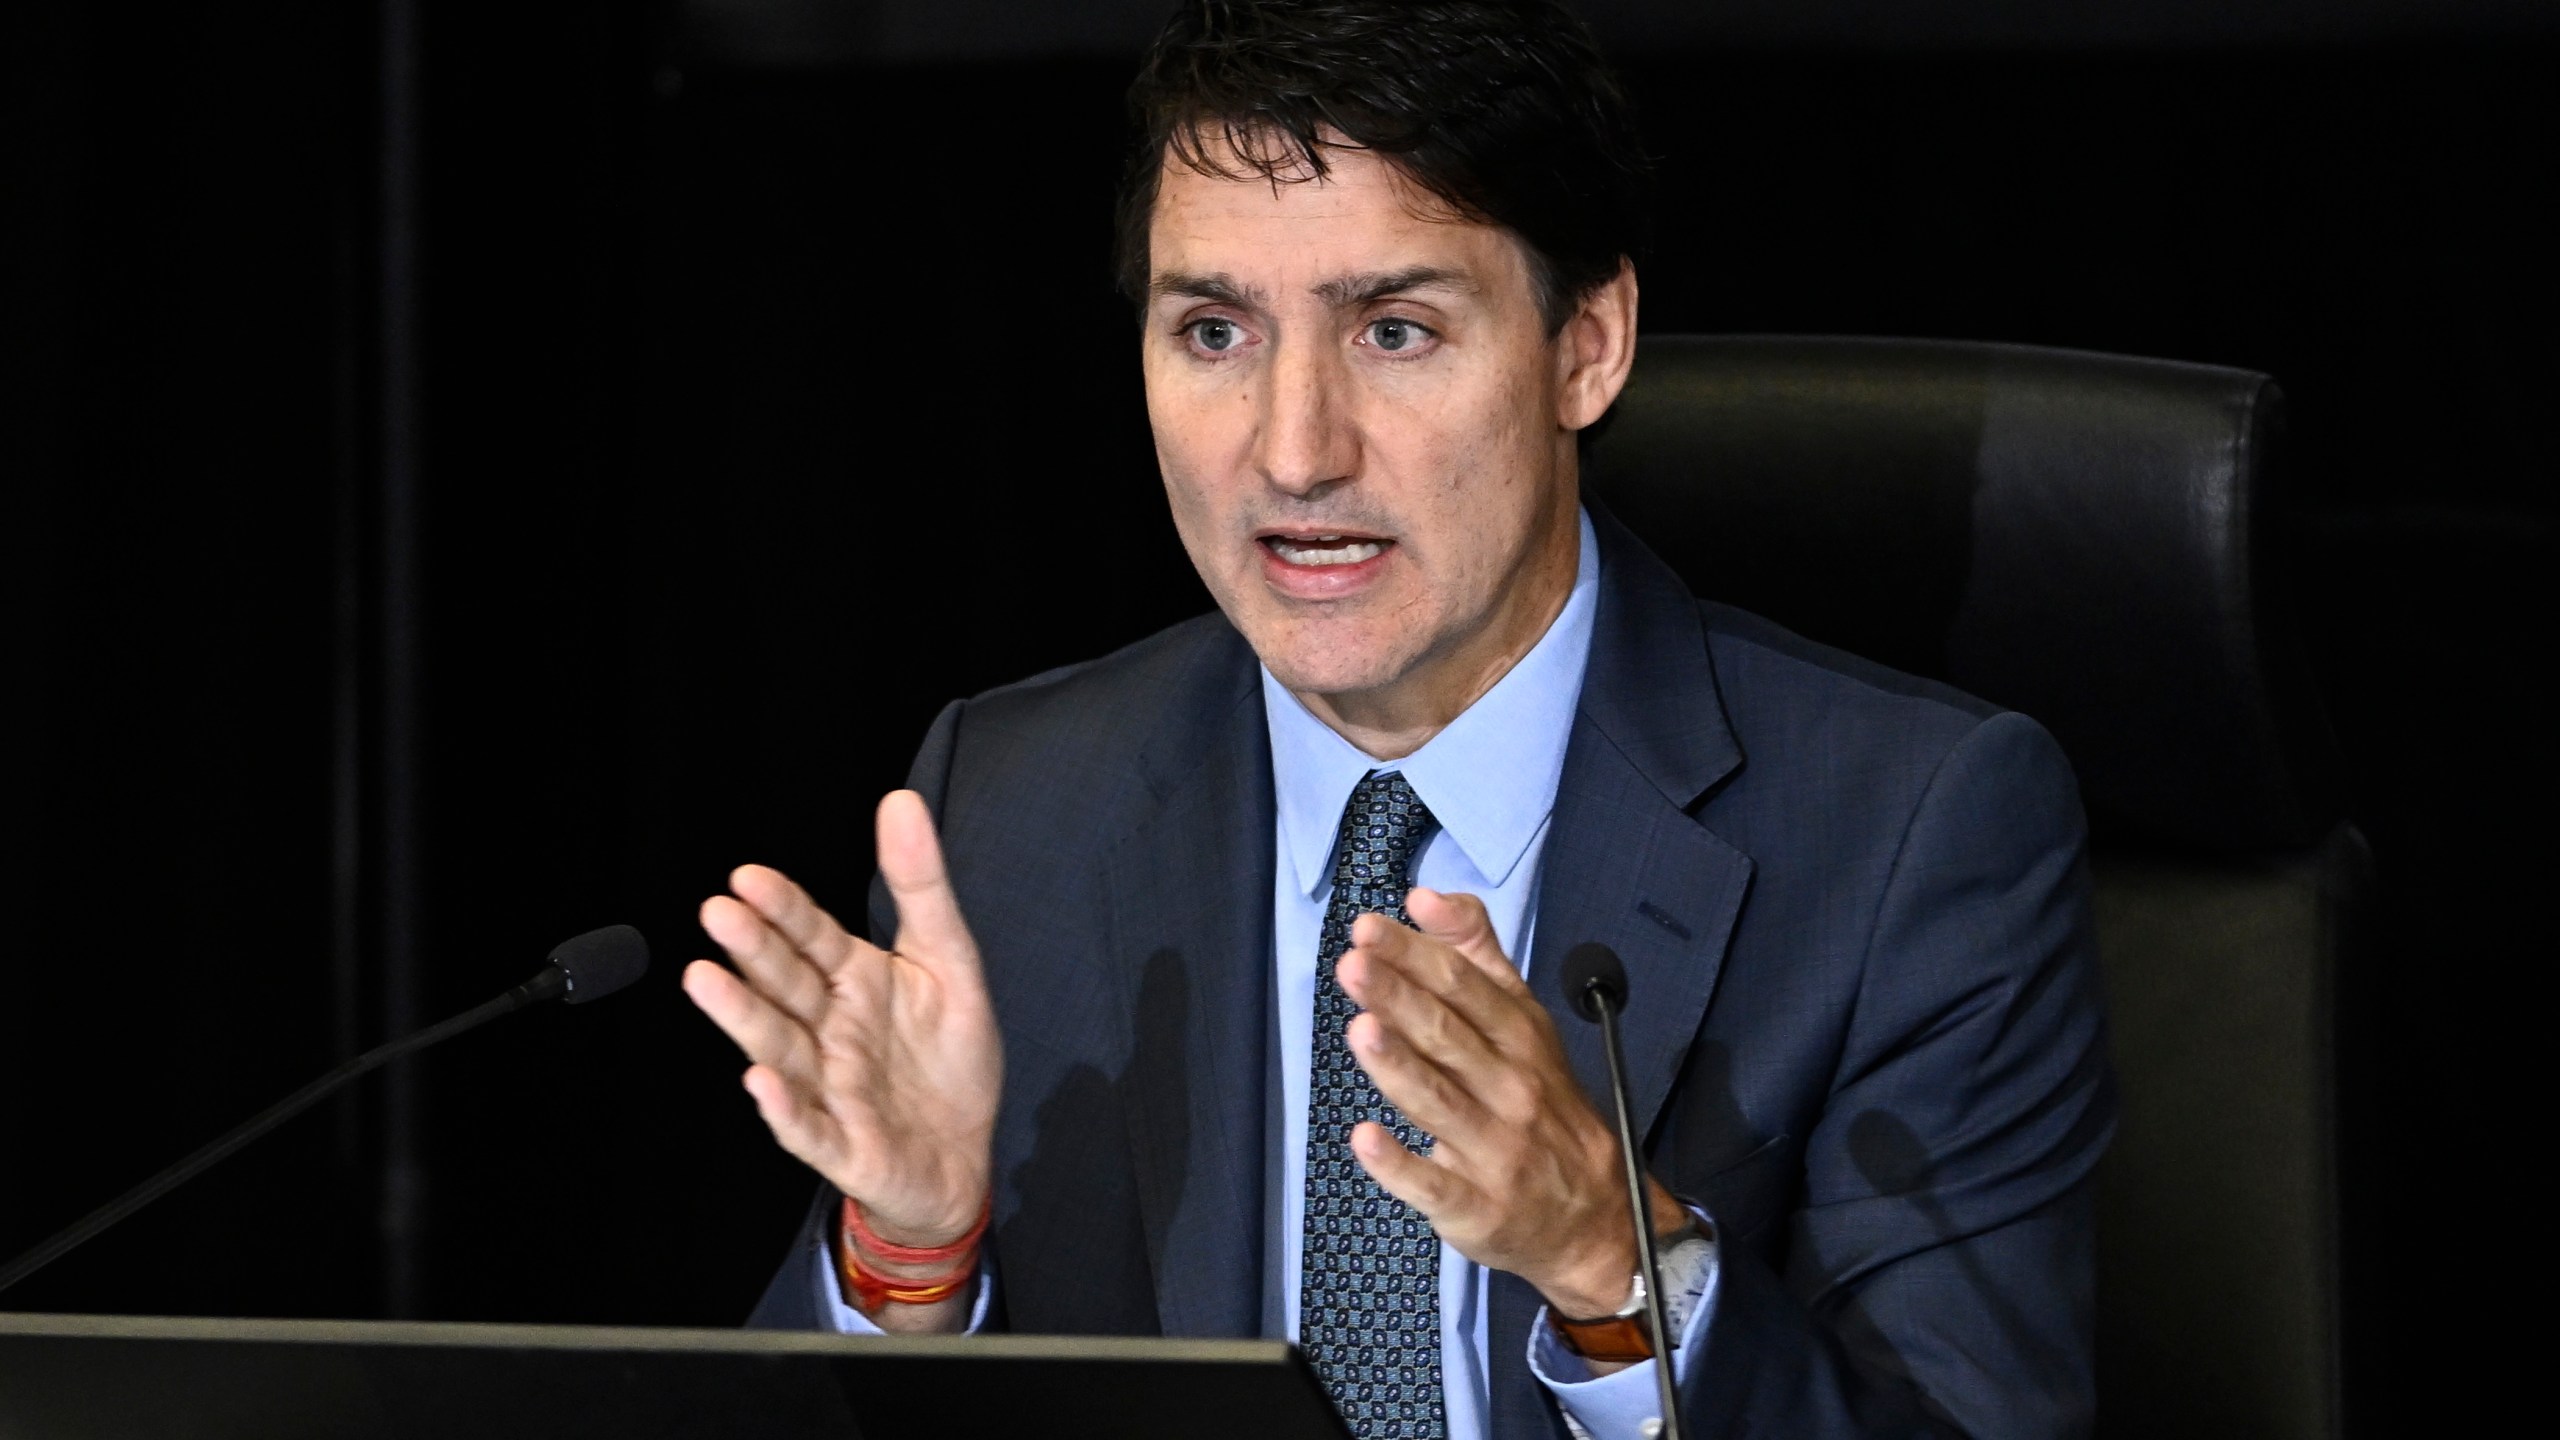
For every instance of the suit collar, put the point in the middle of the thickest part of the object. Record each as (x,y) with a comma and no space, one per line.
(1651,690)
(1211,692)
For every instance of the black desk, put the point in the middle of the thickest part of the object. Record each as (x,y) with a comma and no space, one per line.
(71,1377)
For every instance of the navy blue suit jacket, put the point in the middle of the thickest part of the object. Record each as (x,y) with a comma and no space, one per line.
(1865,1029)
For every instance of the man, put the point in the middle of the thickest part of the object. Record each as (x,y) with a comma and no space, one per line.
(1219,994)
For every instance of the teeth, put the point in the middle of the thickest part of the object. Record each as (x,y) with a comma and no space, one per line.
(1326,550)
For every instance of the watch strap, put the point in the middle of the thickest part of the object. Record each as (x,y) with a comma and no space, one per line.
(1619,1338)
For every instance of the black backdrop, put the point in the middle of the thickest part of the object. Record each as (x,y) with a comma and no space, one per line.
(441,520)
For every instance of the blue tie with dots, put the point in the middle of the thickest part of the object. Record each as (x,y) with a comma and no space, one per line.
(1369,1277)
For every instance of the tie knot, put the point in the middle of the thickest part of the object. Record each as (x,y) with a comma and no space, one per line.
(1383,827)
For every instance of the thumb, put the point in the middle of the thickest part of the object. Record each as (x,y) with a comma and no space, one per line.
(1461,923)
(930,927)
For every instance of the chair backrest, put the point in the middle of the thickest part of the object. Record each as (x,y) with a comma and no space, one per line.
(2085,538)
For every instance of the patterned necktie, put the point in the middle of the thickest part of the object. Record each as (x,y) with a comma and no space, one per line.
(1369,1279)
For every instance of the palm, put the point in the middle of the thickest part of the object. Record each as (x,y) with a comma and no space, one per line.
(910,1066)
(880,1068)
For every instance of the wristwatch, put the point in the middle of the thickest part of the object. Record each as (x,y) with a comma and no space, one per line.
(1622,1335)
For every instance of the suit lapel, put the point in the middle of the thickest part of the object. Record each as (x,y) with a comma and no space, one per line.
(1626,865)
(1191,946)
(1628,869)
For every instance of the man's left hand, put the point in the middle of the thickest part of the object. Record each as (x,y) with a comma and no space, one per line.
(1523,1174)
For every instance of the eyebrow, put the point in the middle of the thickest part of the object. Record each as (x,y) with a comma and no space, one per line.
(1361,289)
(1222,289)
(1219,289)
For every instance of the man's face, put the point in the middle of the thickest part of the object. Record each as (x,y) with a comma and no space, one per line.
(1365,430)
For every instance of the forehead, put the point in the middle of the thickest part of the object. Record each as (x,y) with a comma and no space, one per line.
(1363,216)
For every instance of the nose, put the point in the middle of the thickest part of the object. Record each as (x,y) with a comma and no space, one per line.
(1305,440)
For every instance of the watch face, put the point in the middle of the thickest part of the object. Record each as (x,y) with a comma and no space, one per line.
(1683,1258)
(1684,1268)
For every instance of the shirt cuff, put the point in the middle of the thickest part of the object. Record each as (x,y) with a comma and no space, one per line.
(1616,1406)
(843,1319)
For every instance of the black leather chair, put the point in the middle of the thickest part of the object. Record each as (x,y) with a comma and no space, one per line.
(2085,538)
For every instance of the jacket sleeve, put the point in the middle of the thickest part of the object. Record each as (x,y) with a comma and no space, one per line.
(1936,1276)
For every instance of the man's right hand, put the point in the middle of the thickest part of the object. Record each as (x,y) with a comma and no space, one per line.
(880,1068)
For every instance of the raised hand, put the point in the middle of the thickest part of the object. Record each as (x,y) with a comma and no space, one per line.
(1523,1174)
(880,1068)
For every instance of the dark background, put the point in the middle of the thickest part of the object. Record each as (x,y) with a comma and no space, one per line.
(476,475)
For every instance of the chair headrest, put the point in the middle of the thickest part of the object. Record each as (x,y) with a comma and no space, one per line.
(2080,537)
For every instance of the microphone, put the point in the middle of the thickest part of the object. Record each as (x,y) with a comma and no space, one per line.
(1595,984)
(582,969)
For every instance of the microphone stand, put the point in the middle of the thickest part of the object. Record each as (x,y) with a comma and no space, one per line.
(550,983)
(1598,996)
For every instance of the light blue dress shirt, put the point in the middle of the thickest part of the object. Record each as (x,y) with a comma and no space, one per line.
(1490,779)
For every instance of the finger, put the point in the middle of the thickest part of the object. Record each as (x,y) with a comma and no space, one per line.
(1414,1016)
(1462,923)
(766,1033)
(930,928)
(1462,956)
(1388,951)
(799,921)
(1432,1189)
(765,957)
(799,1122)
(1433,1095)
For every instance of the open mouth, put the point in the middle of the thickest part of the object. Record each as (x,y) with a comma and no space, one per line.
(1319,550)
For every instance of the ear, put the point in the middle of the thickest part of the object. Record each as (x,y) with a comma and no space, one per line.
(1596,349)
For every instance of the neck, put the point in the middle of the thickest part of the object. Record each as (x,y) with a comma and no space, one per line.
(1393,720)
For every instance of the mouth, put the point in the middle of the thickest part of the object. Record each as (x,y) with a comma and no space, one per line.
(1317,550)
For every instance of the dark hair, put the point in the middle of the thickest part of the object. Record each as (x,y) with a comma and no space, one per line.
(1502,109)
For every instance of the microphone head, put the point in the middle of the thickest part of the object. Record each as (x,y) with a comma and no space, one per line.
(1593,971)
(601,962)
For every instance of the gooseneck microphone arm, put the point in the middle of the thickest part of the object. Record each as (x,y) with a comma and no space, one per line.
(587,968)
(1596,985)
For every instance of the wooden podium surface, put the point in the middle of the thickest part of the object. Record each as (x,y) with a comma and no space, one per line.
(72,1377)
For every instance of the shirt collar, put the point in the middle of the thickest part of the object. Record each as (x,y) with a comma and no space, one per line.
(1515,731)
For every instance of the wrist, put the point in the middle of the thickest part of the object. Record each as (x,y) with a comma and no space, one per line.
(1594,1282)
(881,1270)
(1684,1261)
(940,1226)
(1595,1285)
(901,1271)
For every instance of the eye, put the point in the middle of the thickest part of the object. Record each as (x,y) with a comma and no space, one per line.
(1396,335)
(1215,335)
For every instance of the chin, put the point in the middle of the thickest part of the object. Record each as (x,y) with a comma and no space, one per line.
(1324,660)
